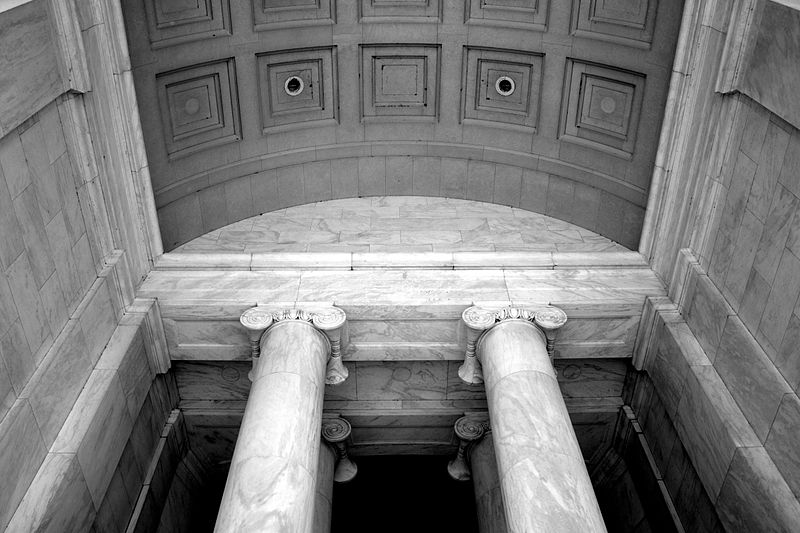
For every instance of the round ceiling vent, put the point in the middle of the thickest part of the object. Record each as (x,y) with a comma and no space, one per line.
(505,86)
(293,85)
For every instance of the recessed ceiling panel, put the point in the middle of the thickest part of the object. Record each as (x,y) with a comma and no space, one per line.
(399,80)
(272,14)
(602,107)
(502,86)
(171,22)
(297,88)
(199,107)
(628,22)
(499,12)
(418,10)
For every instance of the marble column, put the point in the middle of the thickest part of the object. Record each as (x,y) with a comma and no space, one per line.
(323,497)
(475,460)
(543,478)
(486,484)
(272,480)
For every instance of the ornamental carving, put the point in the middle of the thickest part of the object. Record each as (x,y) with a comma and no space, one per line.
(547,319)
(330,320)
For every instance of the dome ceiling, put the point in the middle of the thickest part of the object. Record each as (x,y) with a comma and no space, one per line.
(249,107)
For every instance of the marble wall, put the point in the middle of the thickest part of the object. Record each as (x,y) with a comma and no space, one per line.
(77,351)
(741,304)
(60,298)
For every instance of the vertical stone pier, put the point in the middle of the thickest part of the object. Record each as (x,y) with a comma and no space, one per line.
(543,478)
(271,485)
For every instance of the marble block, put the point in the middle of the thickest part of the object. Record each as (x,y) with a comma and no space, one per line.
(711,426)
(707,311)
(750,376)
(21,453)
(401,380)
(58,499)
(782,441)
(57,382)
(755,497)
(96,430)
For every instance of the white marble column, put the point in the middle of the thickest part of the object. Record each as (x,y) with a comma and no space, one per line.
(323,497)
(543,478)
(475,460)
(272,481)
(486,484)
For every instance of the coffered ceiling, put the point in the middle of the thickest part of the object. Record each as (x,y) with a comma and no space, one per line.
(252,106)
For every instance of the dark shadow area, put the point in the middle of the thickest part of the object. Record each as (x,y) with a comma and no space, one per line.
(403,494)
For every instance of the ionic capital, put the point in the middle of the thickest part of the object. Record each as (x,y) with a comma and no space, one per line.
(336,431)
(329,320)
(469,429)
(548,319)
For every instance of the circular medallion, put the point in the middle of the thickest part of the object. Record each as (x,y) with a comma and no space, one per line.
(505,86)
(608,105)
(230,374)
(293,85)
(191,106)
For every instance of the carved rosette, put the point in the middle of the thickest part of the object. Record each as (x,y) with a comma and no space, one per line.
(468,429)
(480,319)
(330,320)
(336,431)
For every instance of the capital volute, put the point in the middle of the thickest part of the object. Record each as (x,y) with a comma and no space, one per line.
(469,429)
(336,431)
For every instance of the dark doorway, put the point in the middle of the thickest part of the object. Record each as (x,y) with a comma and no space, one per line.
(403,494)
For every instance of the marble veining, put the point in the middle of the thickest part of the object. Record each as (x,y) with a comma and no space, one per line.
(400,224)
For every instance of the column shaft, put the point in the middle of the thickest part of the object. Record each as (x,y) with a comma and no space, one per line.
(544,481)
(486,482)
(323,498)
(271,484)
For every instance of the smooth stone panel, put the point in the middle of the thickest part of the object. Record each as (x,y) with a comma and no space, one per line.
(21,453)
(755,496)
(97,430)
(58,381)
(126,354)
(711,426)
(782,441)
(30,75)
(706,314)
(750,376)
(58,499)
